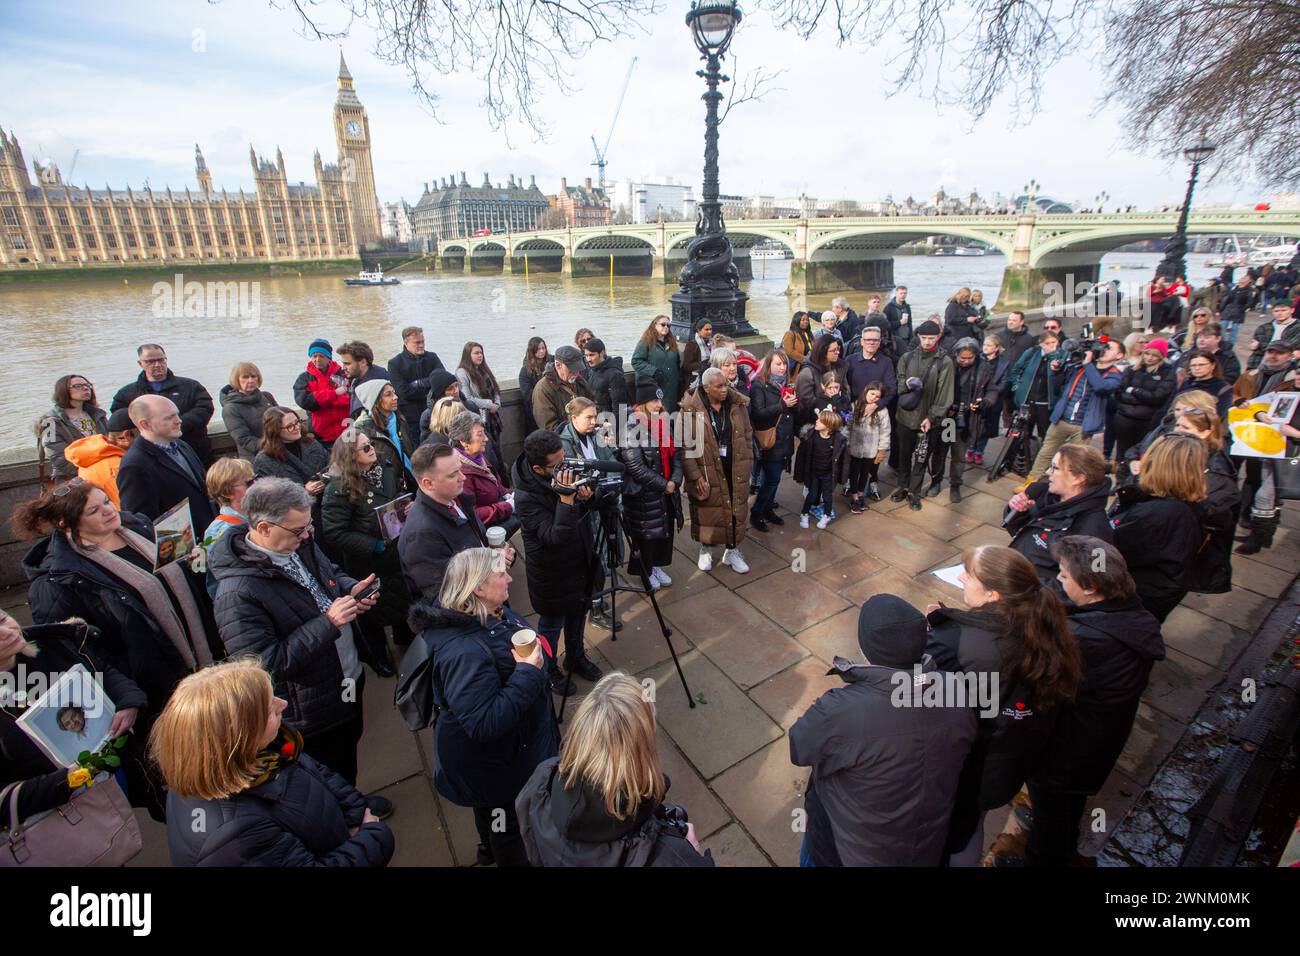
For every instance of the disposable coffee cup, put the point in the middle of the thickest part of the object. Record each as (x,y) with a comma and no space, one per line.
(523,643)
(496,537)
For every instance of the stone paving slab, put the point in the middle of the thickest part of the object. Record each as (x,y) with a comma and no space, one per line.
(1208,640)
(640,644)
(736,636)
(688,790)
(718,733)
(1153,736)
(1260,578)
(850,571)
(794,601)
(732,847)
(787,695)
(764,791)
(896,542)
(1179,685)
(835,636)
(1239,607)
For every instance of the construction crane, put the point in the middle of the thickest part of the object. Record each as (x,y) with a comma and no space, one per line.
(602,153)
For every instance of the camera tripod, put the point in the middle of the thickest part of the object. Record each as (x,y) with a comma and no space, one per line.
(611,525)
(1018,450)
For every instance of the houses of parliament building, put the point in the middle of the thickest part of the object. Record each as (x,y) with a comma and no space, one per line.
(47,223)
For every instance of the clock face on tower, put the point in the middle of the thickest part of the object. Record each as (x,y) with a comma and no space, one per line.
(353,128)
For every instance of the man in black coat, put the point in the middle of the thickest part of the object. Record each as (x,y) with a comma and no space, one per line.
(606,377)
(409,371)
(191,399)
(559,551)
(441,522)
(884,767)
(1120,643)
(160,469)
(279,597)
(1016,338)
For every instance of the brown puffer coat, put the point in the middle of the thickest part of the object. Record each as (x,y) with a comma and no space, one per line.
(720,518)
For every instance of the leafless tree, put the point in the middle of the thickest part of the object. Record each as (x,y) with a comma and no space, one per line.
(1230,69)
(749,88)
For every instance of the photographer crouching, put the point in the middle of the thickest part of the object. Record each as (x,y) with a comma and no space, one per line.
(559,551)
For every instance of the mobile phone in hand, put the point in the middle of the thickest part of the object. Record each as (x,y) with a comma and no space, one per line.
(367,592)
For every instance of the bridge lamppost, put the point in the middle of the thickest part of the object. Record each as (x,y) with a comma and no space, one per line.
(709,282)
(1031,190)
(1102,198)
(1174,263)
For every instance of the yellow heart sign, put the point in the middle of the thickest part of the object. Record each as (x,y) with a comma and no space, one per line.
(1254,438)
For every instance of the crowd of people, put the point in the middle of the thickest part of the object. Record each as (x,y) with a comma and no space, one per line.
(383,517)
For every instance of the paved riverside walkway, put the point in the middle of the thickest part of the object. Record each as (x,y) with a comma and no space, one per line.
(756,647)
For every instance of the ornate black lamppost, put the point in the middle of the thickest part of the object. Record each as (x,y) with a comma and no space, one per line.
(710,283)
(1174,264)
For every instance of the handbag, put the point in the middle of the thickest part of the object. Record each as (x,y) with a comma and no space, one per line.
(766,437)
(94,828)
(1286,474)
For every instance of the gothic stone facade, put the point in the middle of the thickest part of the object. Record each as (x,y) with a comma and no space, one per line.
(45,222)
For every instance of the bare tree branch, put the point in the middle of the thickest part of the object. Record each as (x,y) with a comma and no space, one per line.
(751,88)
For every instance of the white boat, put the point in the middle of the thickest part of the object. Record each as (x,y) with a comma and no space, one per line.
(968,251)
(372,278)
(767,252)
(1278,255)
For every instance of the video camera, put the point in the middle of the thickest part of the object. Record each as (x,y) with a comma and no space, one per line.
(1075,349)
(592,472)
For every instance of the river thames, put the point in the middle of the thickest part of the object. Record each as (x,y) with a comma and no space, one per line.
(92,327)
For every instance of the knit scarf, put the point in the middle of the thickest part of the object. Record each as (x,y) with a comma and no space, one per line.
(374,475)
(188,637)
(664,442)
(397,440)
(284,750)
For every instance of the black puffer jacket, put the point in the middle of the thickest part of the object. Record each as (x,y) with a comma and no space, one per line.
(569,827)
(60,647)
(64,584)
(1158,537)
(496,722)
(886,775)
(299,817)
(1034,531)
(410,377)
(192,401)
(646,512)
(1144,393)
(608,384)
(242,413)
(1211,571)
(1007,747)
(559,548)
(765,410)
(1120,642)
(261,610)
(350,529)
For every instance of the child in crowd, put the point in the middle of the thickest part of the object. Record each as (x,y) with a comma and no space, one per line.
(868,445)
(819,459)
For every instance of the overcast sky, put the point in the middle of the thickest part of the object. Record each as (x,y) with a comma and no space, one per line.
(122,86)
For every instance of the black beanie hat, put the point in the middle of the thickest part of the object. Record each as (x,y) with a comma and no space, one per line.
(647,389)
(439,381)
(929,327)
(891,632)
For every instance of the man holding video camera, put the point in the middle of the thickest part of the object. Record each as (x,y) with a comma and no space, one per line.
(1090,376)
(551,502)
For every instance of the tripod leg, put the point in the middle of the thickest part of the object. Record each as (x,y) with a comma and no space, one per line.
(634,554)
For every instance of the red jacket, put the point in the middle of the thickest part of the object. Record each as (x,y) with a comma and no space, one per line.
(314,391)
(483,484)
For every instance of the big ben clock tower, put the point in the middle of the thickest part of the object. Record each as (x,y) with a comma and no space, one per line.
(352,131)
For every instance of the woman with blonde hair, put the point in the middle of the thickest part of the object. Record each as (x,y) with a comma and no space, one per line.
(242,405)
(497,723)
(1157,524)
(230,762)
(1134,343)
(601,802)
(444,410)
(1203,401)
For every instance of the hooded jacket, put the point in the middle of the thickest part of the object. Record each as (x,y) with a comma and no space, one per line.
(648,511)
(884,775)
(57,434)
(1034,531)
(495,722)
(97,460)
(608,384)
(261,610)
(301,816)
(192,401)
(563,826)
(242,413)
(316,393)
(1120,642)
(1144,393)
(720,517)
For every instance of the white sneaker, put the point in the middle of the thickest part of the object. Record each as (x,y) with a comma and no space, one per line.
(733,557)
(706,560)
(663,579)
(654,581)
(823,521)
(803,521)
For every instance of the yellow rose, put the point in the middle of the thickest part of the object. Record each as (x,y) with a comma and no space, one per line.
(80,777)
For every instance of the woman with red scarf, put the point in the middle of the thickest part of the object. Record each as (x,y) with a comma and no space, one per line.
(652,505)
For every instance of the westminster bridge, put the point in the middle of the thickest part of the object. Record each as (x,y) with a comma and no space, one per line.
(837,254)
